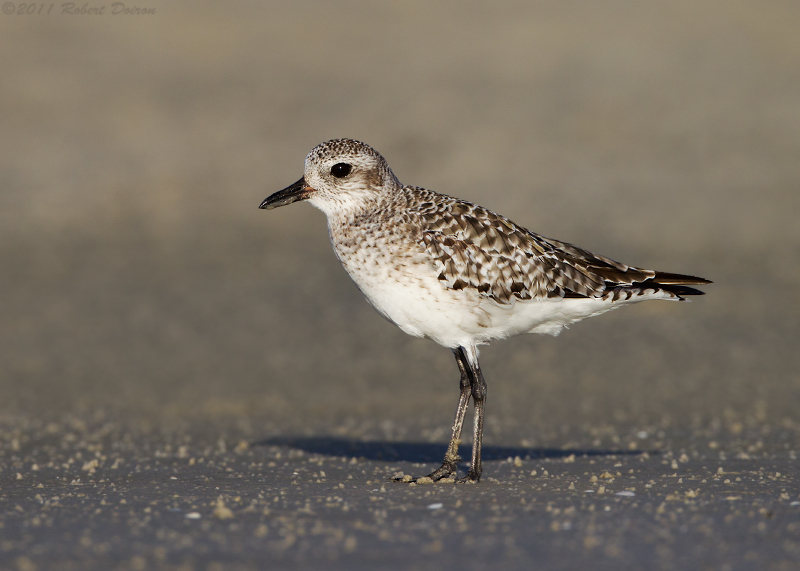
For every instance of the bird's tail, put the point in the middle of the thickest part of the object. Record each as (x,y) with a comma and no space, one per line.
(677,283)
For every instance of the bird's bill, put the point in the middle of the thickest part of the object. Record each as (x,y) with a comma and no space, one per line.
(298,191)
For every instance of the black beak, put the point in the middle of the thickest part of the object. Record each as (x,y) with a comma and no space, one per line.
(298,191)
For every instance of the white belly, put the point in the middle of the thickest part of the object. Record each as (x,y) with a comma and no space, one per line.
(406,290)
(418,303)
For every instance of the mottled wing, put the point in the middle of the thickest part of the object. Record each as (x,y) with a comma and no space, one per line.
(475,248)
(621,281)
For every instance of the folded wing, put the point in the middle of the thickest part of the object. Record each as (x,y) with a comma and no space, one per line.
(472,247)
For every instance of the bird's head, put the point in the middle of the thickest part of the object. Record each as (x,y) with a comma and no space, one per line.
(340,176)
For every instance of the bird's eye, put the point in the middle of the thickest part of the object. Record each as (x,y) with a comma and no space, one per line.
(341,170)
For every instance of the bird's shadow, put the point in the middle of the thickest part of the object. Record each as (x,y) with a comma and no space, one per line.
(419,452)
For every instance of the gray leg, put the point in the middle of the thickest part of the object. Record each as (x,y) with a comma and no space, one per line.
(478,389)
(451,457)
(472,385)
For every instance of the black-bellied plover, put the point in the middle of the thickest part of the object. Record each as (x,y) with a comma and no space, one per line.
(457,273)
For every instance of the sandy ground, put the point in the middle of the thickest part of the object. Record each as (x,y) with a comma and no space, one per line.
(190,383)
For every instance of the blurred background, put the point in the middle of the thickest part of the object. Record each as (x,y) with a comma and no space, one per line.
(139,281)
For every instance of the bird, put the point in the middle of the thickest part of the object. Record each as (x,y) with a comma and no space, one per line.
(457,273)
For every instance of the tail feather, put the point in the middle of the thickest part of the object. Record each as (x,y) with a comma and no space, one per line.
(667,279)
(678,283)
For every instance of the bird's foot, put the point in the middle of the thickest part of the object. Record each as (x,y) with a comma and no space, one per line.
(447,469)
(470,478)
(442,473)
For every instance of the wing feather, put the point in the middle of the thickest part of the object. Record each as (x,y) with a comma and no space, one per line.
(473,247)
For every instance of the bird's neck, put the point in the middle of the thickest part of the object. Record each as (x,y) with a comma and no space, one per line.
(352,207)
